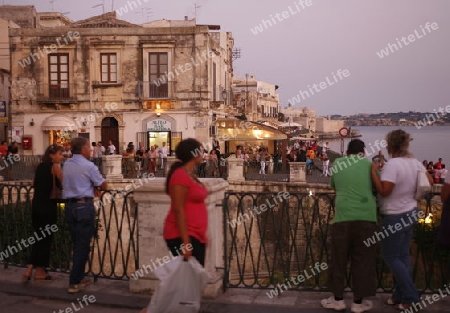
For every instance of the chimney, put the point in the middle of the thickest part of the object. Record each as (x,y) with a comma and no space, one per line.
(185,17)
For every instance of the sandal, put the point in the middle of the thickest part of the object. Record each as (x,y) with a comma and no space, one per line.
(402,306)
(45,279)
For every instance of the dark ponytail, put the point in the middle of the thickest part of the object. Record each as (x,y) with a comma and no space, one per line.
(186,150)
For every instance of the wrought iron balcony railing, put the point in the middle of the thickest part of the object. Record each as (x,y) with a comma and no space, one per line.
(50,92)
(156,90)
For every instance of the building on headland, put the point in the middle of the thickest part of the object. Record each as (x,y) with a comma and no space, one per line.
(318,126)
(107,79)
(257,99)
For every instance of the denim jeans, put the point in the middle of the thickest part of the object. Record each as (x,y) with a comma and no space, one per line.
(81,220)
(395,252)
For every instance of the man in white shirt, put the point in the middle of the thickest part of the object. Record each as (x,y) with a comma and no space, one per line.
(325,147)
(163,155)
(443,176)
(111,148)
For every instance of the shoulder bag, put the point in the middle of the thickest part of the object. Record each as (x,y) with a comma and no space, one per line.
(423,186)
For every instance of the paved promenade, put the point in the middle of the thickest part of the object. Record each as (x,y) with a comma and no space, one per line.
(114,296)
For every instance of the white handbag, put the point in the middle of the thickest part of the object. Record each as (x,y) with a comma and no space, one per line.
(423,187)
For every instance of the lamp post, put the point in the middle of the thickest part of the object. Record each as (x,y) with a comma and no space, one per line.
(246,91)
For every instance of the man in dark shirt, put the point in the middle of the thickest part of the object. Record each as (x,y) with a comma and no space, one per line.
(301,156)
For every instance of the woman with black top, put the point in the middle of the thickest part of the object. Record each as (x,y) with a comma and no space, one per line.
(43,211)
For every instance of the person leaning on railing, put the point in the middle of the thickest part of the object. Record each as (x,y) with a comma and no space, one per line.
(44,211)
(397,185)
(82,180)
(355,220)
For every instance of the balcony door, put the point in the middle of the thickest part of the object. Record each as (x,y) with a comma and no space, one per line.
(159,75)
(58,75)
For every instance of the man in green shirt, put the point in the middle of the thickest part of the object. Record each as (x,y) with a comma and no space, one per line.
(354,221)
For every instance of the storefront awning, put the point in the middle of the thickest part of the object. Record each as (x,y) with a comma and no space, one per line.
(58,122)
(234,129)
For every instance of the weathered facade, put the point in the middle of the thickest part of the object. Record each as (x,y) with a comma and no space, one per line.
(107,79)
(5,76)
(259,100)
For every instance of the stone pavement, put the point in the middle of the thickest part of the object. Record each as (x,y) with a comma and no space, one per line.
(115,294)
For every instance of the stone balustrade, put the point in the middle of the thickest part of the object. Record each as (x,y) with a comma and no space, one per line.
(112,167)
(297,172)
(153,206)
(236,169)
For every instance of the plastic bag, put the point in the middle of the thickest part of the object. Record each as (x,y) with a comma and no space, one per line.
(423,187)
(181,287)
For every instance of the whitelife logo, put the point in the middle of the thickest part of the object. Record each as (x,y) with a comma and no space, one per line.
(37,55)
(318,267)
(265,24)
(407,40)
(378,236)
(10,250)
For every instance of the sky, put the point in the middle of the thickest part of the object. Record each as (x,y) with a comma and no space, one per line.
(306,42)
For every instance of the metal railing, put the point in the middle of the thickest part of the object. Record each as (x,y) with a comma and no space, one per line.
(266,248)
(114,249)
(274,172)
(136,168)
(156,90)
(61,91)
(22,170)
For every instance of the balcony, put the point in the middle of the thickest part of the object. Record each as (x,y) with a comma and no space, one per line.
(55,92)
(151,90)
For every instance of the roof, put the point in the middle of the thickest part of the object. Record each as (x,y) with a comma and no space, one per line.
(107,20)
(234,129)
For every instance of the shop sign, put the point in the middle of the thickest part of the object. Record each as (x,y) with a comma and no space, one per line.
(159,125)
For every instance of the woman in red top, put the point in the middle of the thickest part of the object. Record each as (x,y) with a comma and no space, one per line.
(187,221)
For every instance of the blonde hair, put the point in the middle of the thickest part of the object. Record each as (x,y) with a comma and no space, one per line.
(398,142)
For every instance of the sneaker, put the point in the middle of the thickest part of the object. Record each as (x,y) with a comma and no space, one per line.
(330,303)
(366,305)
(76,288)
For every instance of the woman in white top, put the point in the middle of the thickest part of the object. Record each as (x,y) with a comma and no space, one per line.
(397,186)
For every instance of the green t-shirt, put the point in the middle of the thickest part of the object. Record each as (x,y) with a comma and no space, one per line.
(351,178)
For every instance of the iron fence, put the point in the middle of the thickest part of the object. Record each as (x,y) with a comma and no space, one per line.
(114,250)
(282,238)
(274,171)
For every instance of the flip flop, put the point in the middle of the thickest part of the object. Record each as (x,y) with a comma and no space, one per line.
(391,301)
(45,279)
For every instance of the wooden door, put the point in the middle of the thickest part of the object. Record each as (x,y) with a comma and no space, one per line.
(110,131)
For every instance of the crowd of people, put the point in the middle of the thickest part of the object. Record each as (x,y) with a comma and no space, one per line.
(436,170)
(9,154)
(299,151)
(355,218)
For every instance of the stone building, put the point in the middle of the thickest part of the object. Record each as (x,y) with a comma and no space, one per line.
(107,79)
(5,76)
(317,125)
(259,100)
